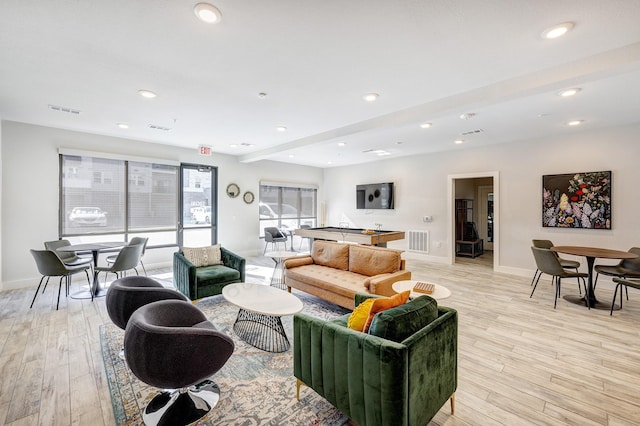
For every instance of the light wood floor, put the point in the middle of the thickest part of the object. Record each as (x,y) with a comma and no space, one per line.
(520,361)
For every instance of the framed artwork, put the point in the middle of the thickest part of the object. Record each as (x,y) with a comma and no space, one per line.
(577,200)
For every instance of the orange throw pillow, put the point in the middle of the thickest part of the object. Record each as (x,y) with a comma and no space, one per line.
(384,303)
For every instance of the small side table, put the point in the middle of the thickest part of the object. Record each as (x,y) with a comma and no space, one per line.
(439,291)
(277,279)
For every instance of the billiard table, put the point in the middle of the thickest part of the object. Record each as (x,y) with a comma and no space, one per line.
(351,235)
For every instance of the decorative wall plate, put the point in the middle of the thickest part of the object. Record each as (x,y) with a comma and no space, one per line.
(233,190)
(248,197)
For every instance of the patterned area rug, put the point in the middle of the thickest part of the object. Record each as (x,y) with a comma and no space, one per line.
(256,387)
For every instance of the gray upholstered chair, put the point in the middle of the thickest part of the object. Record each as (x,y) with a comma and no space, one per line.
(135,240)
(626,282)
(127,294)
(566,263)
(128,258)
(170,345)
(69,258)
(626,268)
(548,263)
(50,265)
(274,236)
(304,238)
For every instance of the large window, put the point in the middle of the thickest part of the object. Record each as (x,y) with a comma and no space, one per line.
(287,207)
(112,196)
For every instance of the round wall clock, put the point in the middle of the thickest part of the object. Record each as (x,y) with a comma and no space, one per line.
(248,197)
(233,190)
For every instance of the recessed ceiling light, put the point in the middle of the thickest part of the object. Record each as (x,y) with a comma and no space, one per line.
(399,143)
(123,125)
(458,141)
(147,94)
(233,145)
(557,30)
(281,129)
(262,95)
(569,92)
(207,13)
(426,125)
(575,122)
(329,162)
(342,144)
(467,115)
(370,97)
(291,155)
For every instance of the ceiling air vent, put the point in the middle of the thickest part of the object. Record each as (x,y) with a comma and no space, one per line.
(156,127)
(64,109)
(472,132)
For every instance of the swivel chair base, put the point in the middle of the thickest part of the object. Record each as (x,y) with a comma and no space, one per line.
(182,406)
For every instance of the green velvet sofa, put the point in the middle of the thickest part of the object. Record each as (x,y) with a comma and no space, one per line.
(377,381)
(198,282)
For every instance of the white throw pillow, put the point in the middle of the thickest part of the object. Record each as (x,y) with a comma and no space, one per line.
(203,256)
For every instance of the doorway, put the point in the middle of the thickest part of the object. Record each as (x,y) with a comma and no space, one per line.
(482,190)
(198,224)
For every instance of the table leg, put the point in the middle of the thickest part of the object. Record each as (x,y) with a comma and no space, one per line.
(590,298)
(95,290)
(261,331)
(277,279)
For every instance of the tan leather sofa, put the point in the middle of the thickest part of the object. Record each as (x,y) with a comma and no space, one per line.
(337,271)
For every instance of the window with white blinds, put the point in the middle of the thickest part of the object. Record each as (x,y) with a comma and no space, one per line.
(107,196)
(287,207)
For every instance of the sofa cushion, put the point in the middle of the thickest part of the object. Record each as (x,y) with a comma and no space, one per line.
(401,322)
(333,280)
(360,315)
(203,256)
(333,255)
(216,274)
(371,261)
(382,304)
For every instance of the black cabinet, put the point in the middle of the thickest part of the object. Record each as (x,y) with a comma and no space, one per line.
(467,241)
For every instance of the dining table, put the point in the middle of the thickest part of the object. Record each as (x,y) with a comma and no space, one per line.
(94,248)
(592,253)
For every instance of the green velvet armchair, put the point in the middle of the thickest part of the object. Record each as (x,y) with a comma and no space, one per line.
(198,282)
(375,380)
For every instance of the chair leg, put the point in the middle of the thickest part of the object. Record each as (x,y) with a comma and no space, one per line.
(143,268)
(45,285)
(615,293)
(536,285)
(452,400)
(59,288)
(37,290)
(558,282)
(595,282)
(535,274)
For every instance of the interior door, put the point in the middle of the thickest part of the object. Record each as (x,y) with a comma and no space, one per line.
(198,225)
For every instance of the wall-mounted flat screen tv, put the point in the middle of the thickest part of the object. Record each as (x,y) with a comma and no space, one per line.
(374,196)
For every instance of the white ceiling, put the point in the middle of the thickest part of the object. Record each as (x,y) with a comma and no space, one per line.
(430,61)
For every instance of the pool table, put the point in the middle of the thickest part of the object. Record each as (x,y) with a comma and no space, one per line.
(351,235)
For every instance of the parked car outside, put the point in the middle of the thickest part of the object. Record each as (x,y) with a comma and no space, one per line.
(87,216)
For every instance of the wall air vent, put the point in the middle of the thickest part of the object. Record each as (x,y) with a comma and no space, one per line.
(472,132)
(64,109)
(156,127)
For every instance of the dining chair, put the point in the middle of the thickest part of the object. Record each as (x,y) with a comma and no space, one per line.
(566,263)
(50,265)
(548,263)
(626,282)
(69,258)
(128,258)
(135,240)
(274,236)
(626,268)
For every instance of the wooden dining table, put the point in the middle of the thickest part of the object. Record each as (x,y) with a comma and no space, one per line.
(94,249)
(591,253)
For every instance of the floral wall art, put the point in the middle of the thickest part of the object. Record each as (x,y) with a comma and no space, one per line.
(577,200)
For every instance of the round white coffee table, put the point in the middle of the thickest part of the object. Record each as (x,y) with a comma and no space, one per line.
(261,306)
(277,279)
(439,291)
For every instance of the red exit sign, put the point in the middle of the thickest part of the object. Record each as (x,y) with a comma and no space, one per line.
(205,150)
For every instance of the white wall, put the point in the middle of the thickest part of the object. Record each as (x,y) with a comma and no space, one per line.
(29,162)
(421,189)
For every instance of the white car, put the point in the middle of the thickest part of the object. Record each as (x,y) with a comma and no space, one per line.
(87,216)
